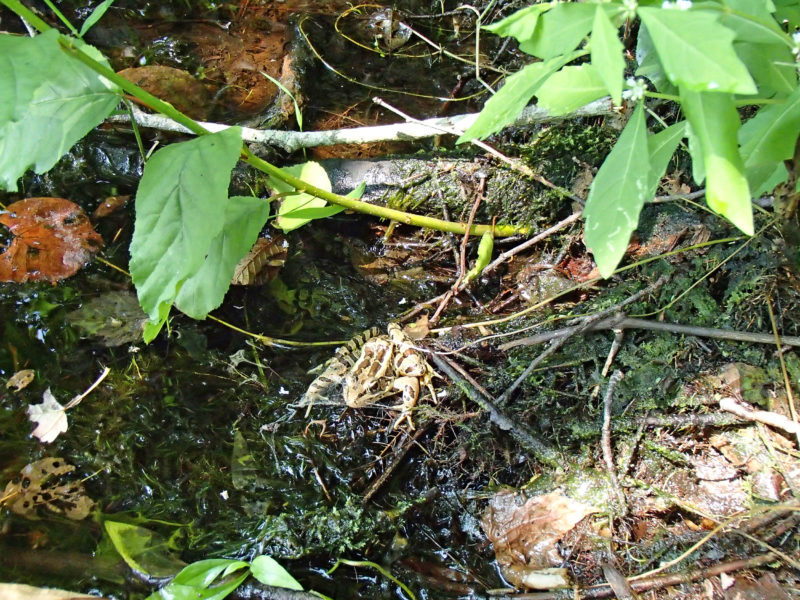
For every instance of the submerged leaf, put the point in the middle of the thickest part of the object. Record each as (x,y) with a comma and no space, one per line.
(269,572)
(53,239)
(50,418)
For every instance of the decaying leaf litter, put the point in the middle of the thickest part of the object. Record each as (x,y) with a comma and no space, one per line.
(570,477)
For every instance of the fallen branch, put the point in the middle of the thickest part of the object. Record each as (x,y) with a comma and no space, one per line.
(539,449)
(291,141)
(631,323)
(747,412)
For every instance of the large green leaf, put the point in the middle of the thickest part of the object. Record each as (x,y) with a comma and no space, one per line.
(715,123)
(48,101)
(180,209)
(770,136)
(298,208)
(789,11)
(570,88)
(198,581)
(661,147)
(696,154)
(560,30)
(696,51)
(649,65)
(143,550)
(205,290)
(771,65)
(752,21)
(618,193)
(502,108)
(521,24)
(606,52)
(269,572)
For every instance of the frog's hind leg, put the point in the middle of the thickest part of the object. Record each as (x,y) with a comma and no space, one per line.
(410,388)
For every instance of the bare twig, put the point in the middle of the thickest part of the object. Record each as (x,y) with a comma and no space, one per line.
(291,141)
(585,325)
(747,412)
(632,323)
(514,164)
(539,449)
(605,444)
(462,271)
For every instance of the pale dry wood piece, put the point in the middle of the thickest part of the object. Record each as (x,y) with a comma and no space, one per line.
(745,411)
(291,141)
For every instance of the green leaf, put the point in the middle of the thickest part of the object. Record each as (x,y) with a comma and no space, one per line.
(560,30)
(606,51)
(696,51)
(649,65)
(660,148)
(180,209)
(502,108)
(196,580)
(298,208)
(96,15)
(618,193)
(771,65)
(204,572)
(521,24)
(570,88)
(48,101)
(205,290)
(715,122)
(752,21)
(765,177)
(143,550)
(789,11)
(696,154)
(267,570)
(770,136)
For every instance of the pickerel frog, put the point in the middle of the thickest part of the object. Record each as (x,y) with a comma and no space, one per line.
(387,365)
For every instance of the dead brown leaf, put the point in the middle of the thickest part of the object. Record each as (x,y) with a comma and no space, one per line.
(524,531)
(262,263)
(53,239)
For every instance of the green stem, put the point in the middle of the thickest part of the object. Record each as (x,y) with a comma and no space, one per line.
(374,210)
(170,111)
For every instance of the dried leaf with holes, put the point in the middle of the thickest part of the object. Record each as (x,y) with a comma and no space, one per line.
(262,263)
(20,380)
(53,239)
(43,483)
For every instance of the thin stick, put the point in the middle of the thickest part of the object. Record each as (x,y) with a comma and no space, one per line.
(514,164)
(539,449)
(586,323)
(633,323)
(605,441)
(787,384)
(462,271)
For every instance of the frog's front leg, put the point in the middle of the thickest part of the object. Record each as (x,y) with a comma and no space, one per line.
(409,386)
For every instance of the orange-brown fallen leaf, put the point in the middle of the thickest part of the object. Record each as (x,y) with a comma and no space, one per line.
(53,239)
